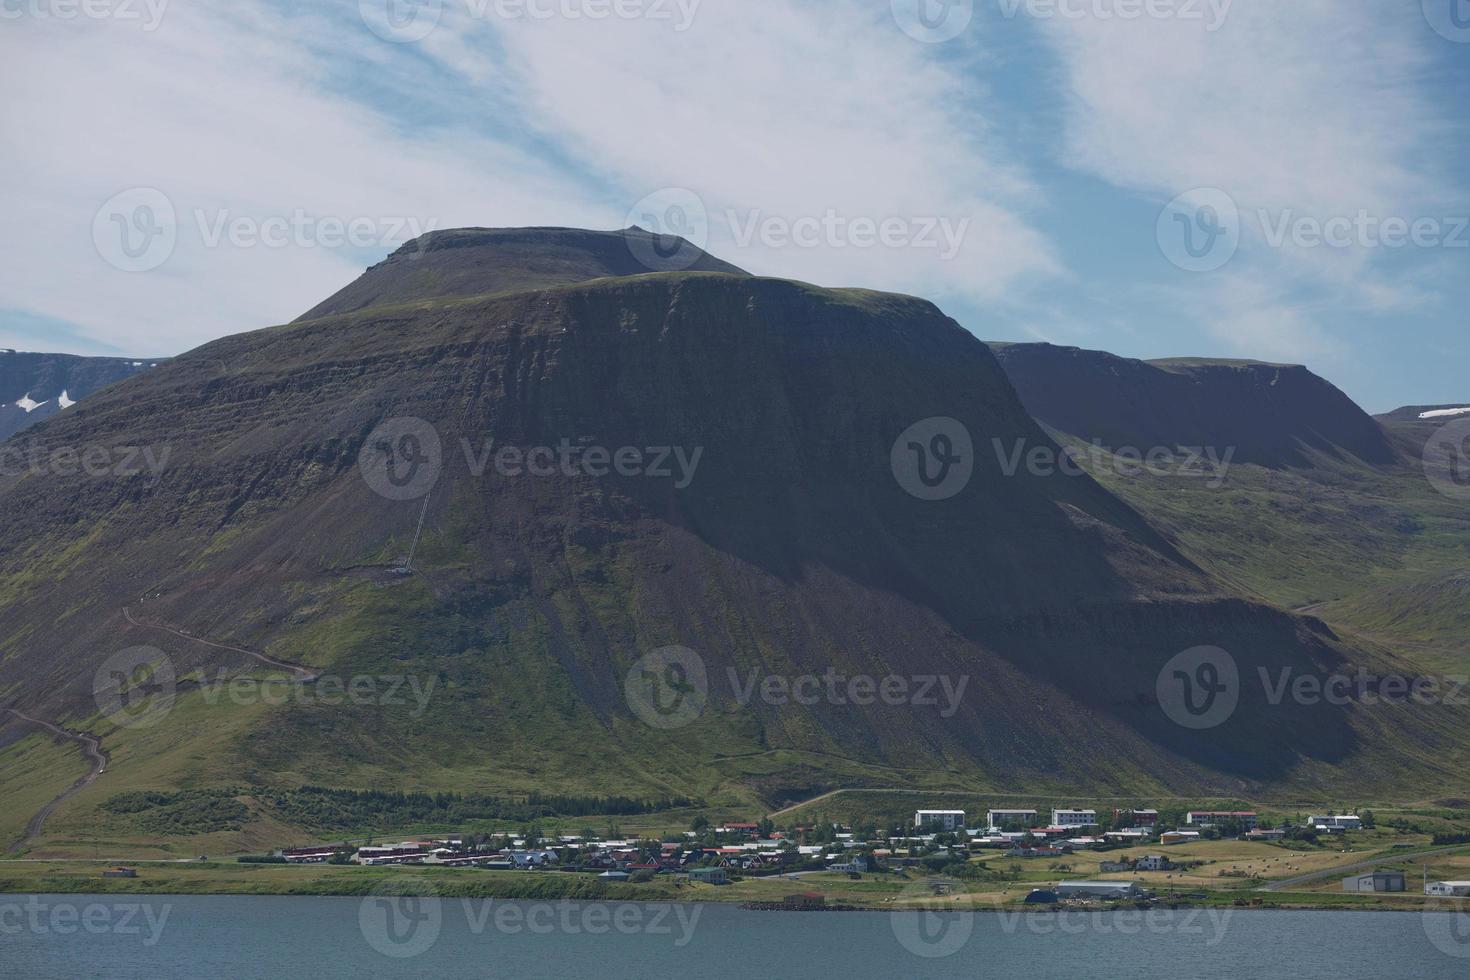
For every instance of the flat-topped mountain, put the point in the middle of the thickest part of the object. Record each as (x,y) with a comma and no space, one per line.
(765,515)
(469,261)
(1272,414)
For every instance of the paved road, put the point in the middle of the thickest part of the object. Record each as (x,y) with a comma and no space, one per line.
(91,745)
(1343,871)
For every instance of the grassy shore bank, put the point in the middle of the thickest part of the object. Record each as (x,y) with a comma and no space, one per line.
(872,891)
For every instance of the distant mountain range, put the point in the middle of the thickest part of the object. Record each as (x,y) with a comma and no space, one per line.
(1272,414)
(799,524)
(36,386)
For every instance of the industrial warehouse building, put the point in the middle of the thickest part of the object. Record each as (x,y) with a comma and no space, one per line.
(1102,890)
(1375,881)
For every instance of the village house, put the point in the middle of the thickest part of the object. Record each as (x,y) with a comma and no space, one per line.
(1448,889)
(1000,819)
(1333,823)
(1073,818)
(857,864)
(1209,818)
(1129,835)
(308,855)
(710,876)
(947,819)
(395,854)
(1129,817)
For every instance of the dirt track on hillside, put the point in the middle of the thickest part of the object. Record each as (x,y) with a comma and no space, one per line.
(91,745)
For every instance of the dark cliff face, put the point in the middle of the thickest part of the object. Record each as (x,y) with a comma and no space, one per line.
(1271,414)
(471,261)
(791,548)
(45,378)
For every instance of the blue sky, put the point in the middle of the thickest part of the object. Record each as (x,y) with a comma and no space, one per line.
(1021,157)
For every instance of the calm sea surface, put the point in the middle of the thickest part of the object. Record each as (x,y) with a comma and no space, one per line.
(272,938)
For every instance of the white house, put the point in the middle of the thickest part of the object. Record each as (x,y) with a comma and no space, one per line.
(858,865)
(1006,818)
(1074,818)
(1448,889)
(948,819)
(1208,818)
(1154,862)
(1335,822)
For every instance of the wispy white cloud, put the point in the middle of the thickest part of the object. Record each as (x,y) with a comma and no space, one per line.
(1310,110)
(766,110)
(225,115)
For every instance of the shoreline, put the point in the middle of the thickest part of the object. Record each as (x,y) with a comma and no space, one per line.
(81,877)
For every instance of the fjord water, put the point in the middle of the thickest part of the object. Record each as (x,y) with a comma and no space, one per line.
(275,938)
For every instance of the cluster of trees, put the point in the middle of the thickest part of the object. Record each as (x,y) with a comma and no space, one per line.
(183,813)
